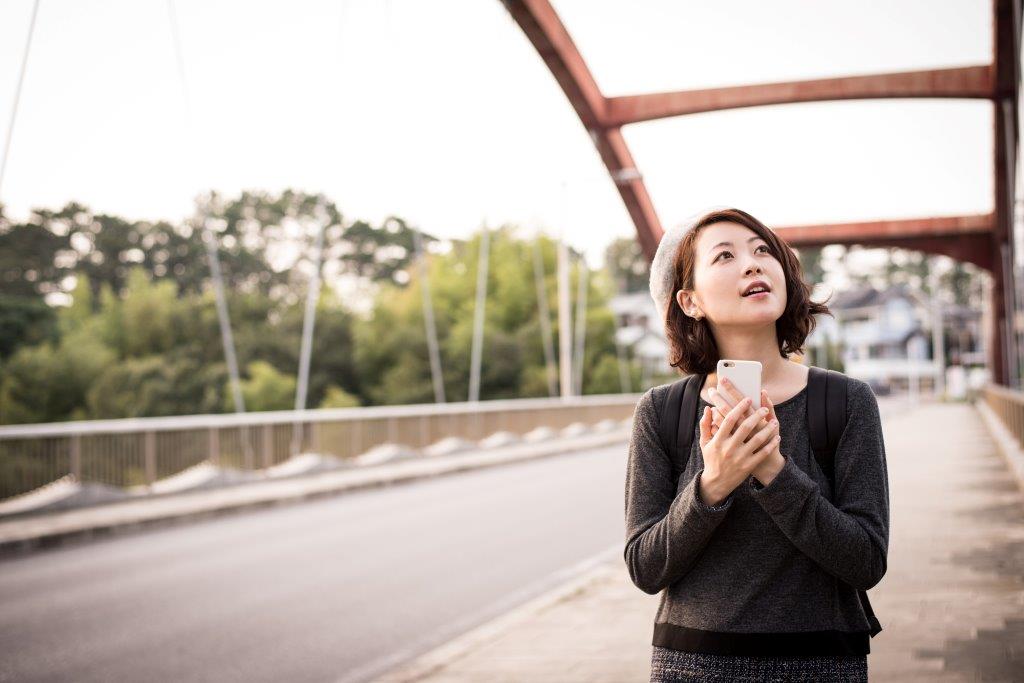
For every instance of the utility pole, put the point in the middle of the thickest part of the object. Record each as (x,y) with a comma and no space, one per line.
(428,319)
(581,322)
(478,318)
(564,322)
(545,318)
(308,321)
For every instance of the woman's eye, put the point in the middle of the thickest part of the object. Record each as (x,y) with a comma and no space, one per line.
(761,246)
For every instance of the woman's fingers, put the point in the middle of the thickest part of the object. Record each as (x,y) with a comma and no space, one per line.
(705,427)
(729,392)
(723,399)
(734,415)
(722,403)
(767,403)
(762,436)
(748,424)
(727,396)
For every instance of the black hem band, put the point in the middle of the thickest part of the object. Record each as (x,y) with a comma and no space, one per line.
(766,644)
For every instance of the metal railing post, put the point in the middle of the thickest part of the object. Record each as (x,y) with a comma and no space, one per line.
(213,446)
(76,456)
(267,446)
(150,456)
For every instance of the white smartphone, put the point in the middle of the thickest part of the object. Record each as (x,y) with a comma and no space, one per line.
(745,375)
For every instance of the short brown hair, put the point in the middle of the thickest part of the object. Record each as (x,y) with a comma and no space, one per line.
(692,346)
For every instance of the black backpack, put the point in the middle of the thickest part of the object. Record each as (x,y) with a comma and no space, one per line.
(826,420)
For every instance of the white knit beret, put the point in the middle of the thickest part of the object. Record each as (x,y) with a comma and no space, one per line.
(662,274)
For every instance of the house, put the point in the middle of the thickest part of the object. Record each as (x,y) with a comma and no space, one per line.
(639,329)
(884,337)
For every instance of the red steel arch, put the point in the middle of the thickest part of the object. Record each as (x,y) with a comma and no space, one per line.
(985,240)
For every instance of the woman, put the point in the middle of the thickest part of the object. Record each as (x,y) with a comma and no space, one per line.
(758,559)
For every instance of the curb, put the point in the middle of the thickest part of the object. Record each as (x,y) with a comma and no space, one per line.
(581,575)
(49,530)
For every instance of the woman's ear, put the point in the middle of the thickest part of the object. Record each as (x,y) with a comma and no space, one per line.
(685,300)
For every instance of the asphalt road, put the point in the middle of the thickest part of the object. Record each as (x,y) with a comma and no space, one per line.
(340,589)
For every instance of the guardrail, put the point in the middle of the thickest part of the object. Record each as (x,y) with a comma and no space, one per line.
(1008,404)
(138,451)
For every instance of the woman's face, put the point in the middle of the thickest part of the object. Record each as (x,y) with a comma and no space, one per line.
(722,272)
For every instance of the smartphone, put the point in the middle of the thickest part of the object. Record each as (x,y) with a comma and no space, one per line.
(745,375)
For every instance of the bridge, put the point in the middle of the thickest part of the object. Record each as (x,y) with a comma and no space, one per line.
(482,539)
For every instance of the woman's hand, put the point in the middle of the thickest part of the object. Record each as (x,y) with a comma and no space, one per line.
(725,397)
(735,450)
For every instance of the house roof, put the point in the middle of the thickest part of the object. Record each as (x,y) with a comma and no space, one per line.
(867,295)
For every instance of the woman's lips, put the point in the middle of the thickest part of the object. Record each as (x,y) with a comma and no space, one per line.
(759,295)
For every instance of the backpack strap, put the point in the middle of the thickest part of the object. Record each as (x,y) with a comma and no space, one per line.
(826,415)
(826,420)
(678,419)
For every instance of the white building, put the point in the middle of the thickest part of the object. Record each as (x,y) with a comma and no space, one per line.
(885,337)
(639,329)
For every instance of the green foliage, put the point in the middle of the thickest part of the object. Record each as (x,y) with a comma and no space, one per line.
(140,336)
(24,320)
(336,397)
(47,383)
(627,266)
(266,389)
(154,386)
(149,319)
(391,346)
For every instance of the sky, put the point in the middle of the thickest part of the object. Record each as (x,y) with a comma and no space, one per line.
(442,112)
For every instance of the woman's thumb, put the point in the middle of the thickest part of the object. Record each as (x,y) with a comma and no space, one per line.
(705,425)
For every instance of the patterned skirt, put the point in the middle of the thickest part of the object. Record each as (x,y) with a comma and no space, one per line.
(675,666)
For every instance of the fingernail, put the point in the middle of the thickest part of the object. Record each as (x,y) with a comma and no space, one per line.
(726,382)
(711,392)
(763,411)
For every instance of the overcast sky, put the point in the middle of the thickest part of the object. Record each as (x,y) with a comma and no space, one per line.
(441,112)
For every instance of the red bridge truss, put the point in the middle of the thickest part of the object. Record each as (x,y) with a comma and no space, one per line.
(984,240)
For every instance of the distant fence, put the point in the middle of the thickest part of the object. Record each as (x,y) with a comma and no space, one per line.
(142,450)
(1008,404)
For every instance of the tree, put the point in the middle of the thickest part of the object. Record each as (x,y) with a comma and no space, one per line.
(140,335)
(628,267)
(49,382)
(267,388)
(24,321)
(391,347)
(151,386)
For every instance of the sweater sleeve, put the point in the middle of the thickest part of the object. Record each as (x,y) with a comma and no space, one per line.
(665,531)
(849,539)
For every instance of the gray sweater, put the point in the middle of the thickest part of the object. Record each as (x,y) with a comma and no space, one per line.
(770,570)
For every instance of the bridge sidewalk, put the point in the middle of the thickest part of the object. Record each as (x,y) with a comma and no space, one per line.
(951,603)
(29,532)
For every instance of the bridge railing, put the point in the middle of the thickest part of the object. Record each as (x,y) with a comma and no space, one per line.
(1008,404)
(140,451)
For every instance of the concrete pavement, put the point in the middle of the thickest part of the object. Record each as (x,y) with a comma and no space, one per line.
(951,603)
